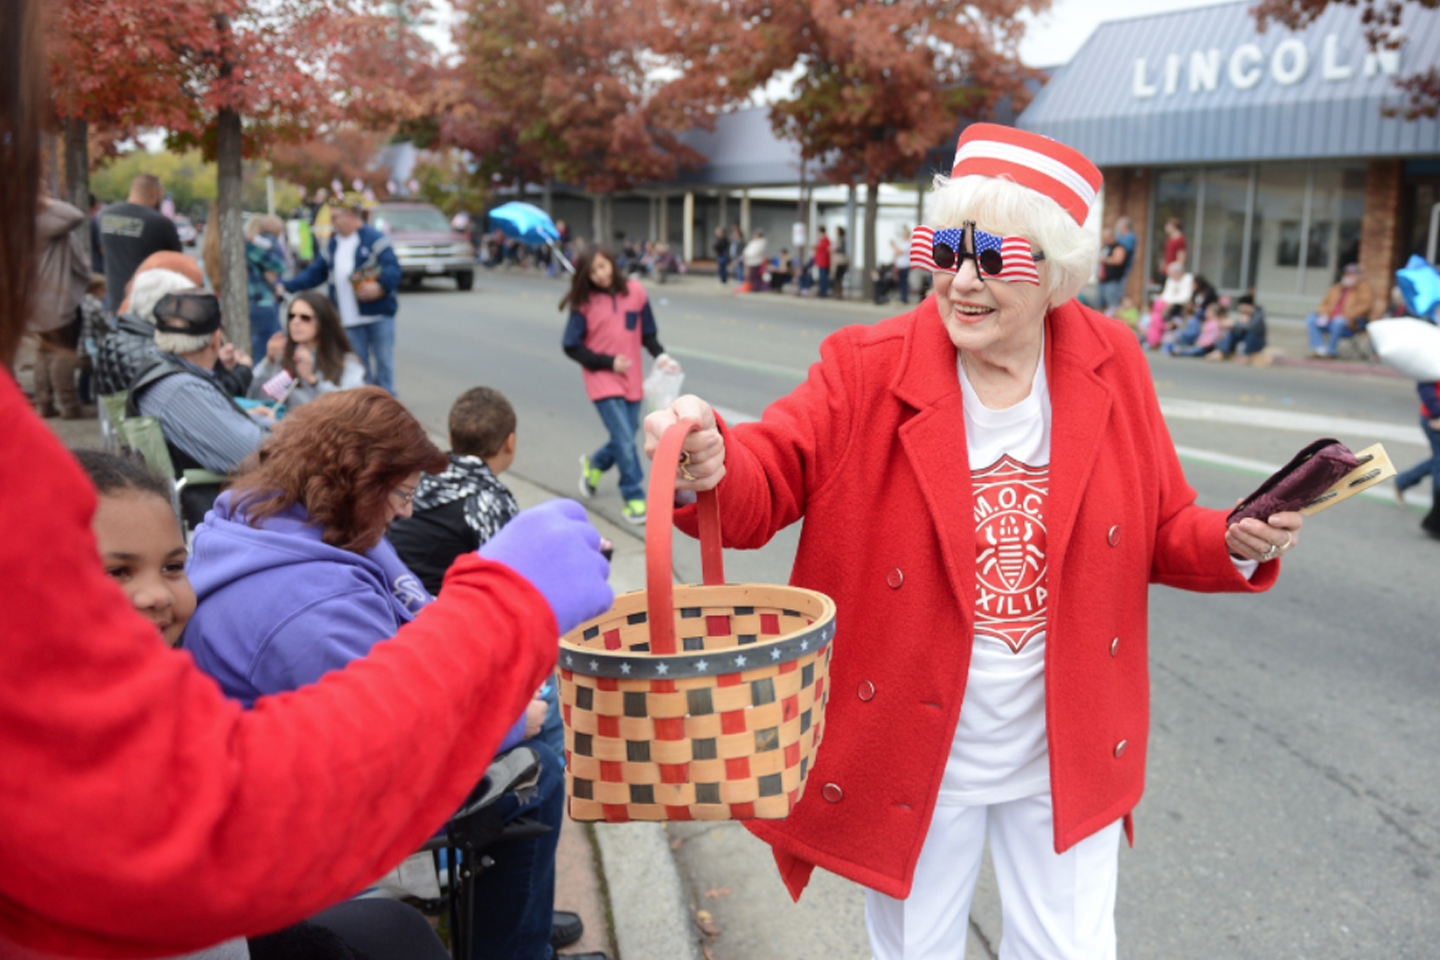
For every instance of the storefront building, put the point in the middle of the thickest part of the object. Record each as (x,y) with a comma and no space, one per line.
(1271,148)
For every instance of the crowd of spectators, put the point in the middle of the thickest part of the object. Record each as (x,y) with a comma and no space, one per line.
(293,573)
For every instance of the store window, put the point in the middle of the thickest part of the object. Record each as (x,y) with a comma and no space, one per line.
(1277,229)
(1337,204)
(1219,237)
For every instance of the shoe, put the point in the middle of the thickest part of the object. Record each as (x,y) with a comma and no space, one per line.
(589,478)
(47,412)
(634,511)
(597,955)
(1399,493)
(565,929)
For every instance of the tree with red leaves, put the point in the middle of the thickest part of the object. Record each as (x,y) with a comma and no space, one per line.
(568,90)
(1382,20)
(882,82)
(233,77)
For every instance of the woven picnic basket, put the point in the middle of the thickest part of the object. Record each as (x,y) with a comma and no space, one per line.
(694,702)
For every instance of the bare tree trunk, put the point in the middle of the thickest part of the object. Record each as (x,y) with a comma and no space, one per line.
(872,213)
(77,170)
(234,298)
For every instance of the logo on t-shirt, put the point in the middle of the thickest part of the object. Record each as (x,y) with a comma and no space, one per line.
(1010,543)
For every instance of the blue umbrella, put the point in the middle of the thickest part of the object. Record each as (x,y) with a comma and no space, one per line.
(528,224)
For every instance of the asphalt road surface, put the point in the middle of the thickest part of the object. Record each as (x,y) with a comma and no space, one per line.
(1291,808)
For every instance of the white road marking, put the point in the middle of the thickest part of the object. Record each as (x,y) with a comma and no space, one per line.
(1311,423)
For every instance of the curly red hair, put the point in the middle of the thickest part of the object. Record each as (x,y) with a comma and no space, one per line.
(339,457)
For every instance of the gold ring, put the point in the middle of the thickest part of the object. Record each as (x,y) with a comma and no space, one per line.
(684,458)
(686,475)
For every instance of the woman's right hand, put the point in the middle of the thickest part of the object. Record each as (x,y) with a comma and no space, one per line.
(275,347)
(706,446)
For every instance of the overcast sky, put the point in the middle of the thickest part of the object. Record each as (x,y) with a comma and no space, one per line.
(1054,37)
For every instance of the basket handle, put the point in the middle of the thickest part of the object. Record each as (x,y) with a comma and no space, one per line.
(660,516)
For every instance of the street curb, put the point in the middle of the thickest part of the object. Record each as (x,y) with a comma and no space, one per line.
(648,905)
(647,898)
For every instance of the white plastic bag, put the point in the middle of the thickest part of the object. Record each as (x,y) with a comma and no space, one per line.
(1410,346)
(662,386)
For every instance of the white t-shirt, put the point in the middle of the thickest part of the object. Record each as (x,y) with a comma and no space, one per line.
(340,271)
(1000,752)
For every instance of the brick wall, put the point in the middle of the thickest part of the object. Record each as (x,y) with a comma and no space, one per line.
(1127,194)
(1380,231)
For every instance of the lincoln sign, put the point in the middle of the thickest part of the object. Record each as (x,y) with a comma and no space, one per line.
(1247,65)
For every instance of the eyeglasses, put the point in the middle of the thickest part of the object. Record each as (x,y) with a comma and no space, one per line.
(307,317)
(1010,259)
(406,496)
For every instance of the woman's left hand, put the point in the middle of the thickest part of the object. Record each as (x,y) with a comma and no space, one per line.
(1252,539)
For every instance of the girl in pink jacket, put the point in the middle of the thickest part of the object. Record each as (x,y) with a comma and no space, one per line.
(610,320)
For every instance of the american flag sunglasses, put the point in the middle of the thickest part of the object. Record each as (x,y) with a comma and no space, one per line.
(1011,259)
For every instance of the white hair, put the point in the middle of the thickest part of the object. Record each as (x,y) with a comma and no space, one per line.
(150,287)
(1006,208)
(180,344)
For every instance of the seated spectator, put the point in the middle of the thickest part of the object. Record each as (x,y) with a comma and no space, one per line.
(1245,336)
(1204,336)
(130,345)
(140,539)
(782,270)
(1170,306)
(1128,313)
(143,549)
(1343,312)
(202,424)
(295,579)
(124,350)
(753,257)
(1397,307)
(459,508)
(315,356)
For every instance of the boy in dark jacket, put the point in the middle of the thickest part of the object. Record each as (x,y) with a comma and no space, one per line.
(458,510)
(453,513)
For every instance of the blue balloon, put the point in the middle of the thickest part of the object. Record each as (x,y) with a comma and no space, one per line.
(525,222)
(1420,286)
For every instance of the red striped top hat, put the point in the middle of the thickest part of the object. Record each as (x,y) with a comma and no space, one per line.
(1042,164)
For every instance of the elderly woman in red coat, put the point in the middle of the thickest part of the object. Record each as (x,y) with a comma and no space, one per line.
(989,489)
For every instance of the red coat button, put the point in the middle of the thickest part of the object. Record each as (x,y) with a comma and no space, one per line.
(832,792)
(1120,748)
(895,579)
(1114,646)
(1113,537)
(867,690)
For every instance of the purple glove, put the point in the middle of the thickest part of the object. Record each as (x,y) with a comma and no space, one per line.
(558,551)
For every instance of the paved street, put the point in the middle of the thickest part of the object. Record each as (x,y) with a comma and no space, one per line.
(1291,808)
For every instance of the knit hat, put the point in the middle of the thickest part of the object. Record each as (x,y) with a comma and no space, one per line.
(1039,163)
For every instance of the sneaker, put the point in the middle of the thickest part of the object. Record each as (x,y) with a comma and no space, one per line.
(589,478)
(634,511)
(1399,494)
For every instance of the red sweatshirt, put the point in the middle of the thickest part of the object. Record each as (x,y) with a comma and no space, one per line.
(143,814)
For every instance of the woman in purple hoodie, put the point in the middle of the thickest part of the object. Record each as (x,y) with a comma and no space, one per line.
(295,579)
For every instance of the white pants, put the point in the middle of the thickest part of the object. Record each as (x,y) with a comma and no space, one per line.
(1054,907)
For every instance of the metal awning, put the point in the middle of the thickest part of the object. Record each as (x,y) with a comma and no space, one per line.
(1204,86)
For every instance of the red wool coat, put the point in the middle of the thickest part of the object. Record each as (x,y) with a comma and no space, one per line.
(871,451)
